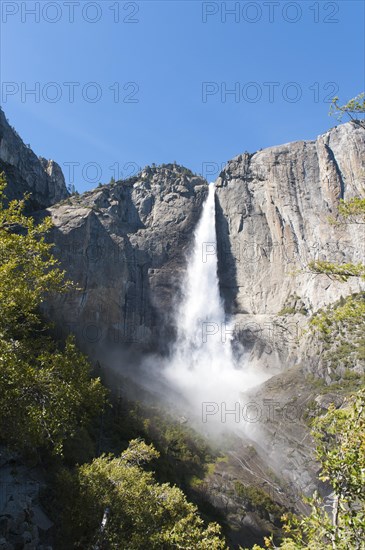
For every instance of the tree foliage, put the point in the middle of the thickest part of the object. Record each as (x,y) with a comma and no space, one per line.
(28,271)
(353,210)
(354,107)
(138,512)
(44,395)
(45,392)
(341,272)
(348,313)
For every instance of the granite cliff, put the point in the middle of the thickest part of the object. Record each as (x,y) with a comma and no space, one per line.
(272,217)
(124,245)
(27,173)
(273,208)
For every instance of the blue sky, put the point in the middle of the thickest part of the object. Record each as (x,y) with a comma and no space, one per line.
(151,79)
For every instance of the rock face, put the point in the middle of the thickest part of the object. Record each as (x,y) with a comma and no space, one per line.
(23,522)
(125,246)
(272,219)
(272,212)
(26,173)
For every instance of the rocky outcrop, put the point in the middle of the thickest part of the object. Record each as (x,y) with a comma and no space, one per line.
(272,212)
(23,522)
(272,219)
(125,244)
(125,247)
(26,173)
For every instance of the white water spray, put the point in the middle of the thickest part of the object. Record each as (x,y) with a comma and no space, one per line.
(202,367)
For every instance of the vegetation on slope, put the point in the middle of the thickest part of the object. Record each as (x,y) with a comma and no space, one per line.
(340,436)
(138,511)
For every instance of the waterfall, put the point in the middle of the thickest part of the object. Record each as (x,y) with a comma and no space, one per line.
(201,315)
(202,367)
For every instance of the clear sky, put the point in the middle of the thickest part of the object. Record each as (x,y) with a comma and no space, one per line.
(122,84)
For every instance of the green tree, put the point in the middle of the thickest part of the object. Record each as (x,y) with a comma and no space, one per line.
(115,503)
(45,395)
(354,107)
(349,313)
(28,271)
(45,392)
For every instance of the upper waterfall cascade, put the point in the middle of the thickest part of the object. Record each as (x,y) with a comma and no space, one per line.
(202,366)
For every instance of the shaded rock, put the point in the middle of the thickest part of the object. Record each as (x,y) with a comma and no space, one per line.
(272,216)
(21,515)
(125,246)
(325,401)
(40,519)
(272,220)
(26,173)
